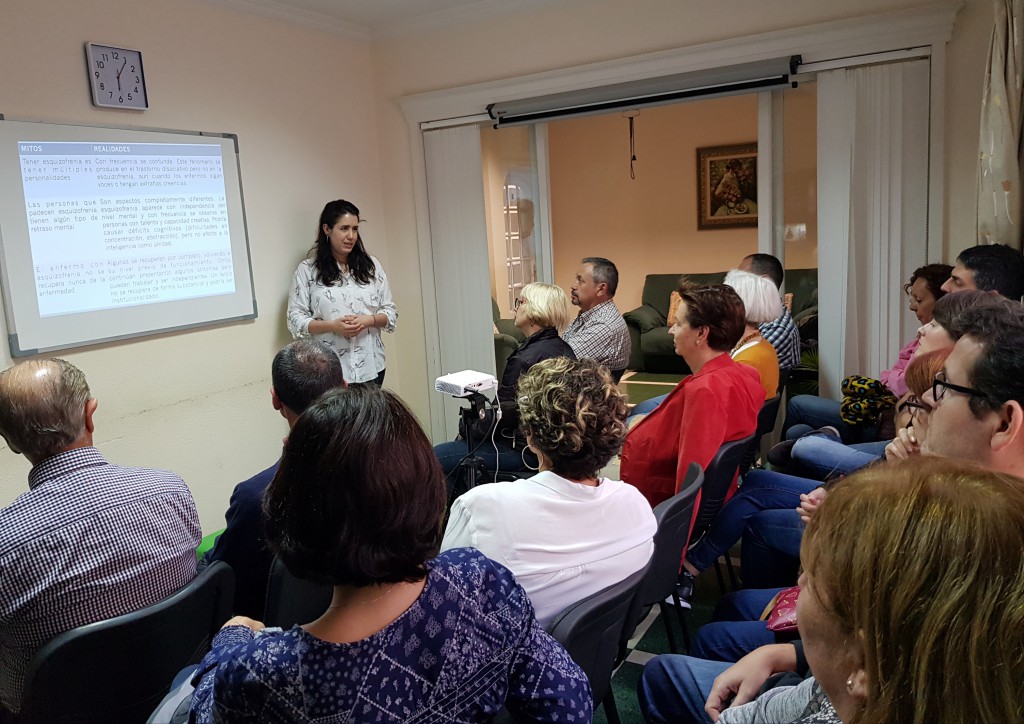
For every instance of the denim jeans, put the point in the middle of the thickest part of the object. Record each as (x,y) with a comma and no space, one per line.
(505,459)
(736,630)
(770,555)
(809,412)
(647,406)
(821,457)
(674,688)
(761,490)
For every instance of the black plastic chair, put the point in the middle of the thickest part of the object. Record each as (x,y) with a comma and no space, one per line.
(118,670)
(590,631)
(765,424)
(673,516)
(292,600)
(718,477)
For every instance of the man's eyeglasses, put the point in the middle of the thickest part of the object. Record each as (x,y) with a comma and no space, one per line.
(940,385)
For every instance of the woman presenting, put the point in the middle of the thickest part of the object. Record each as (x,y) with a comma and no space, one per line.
(341,296)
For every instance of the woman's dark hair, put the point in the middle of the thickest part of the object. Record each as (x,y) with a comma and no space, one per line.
(717,307)
(359,262)
(359,495)
(934,275)
(572,412)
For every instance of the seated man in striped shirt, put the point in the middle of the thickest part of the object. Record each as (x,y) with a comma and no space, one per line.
(89,540)
(599,331)
(781,333)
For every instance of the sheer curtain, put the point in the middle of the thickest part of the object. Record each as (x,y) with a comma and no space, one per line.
(458,234)
(872,213)
(1000,149)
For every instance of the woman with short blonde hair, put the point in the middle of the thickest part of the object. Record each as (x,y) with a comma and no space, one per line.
(545,306)
(542,313)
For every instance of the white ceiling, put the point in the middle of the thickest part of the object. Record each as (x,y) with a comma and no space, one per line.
(379,18)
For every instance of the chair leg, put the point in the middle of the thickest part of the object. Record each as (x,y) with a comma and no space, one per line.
(611,712)
(721,578)
(682,623)
(668,628)
(733,578)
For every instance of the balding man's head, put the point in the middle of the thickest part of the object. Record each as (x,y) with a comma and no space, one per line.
(303,371)
(43,407)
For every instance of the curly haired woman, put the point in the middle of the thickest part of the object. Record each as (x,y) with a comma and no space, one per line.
(566,532)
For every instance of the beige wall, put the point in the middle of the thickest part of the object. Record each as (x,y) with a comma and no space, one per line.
(552,36)
(197,402)
(646,225)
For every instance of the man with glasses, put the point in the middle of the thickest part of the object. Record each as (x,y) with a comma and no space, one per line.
(977,399)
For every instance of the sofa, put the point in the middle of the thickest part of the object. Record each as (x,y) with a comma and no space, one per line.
(652,349)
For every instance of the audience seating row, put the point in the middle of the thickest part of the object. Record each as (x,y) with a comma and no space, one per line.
(118,670)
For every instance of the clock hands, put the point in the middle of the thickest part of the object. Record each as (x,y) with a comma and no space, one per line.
(124,62)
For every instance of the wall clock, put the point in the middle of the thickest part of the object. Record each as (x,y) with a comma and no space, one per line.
(116,78)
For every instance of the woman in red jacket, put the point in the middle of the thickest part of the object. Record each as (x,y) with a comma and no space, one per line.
(718,403)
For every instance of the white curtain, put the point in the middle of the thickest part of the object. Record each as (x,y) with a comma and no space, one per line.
(872,211)
(1000,152)
(458,234)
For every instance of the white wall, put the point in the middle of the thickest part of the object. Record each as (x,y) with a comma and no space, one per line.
(301,104)
(575,32)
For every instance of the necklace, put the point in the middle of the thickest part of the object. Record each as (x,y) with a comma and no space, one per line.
(366,603)
(746,339)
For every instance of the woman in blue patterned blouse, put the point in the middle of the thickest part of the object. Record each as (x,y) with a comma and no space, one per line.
(357,503)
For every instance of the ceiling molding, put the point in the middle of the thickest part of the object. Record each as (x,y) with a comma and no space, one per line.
(282,11)
(474,12)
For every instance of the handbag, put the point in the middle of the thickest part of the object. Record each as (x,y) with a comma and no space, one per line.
(780,613)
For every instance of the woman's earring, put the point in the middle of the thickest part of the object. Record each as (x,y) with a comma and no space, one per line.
(849,685)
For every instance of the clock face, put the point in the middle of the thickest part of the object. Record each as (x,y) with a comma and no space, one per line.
(116,77)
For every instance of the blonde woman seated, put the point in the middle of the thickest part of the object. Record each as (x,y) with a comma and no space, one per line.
(566,532)
(762,304)
(542,314)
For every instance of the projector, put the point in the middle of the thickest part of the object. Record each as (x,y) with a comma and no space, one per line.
(462,384)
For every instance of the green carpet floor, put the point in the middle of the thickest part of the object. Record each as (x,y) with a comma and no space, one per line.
(640,386)
(667,379)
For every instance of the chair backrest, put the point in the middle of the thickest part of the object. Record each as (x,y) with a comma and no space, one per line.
(765,424)
(718,477)
(590,630)
(292,600)
(118,670)
(673,516)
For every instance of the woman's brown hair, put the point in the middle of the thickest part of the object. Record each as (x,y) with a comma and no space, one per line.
(717,307)
(923,562)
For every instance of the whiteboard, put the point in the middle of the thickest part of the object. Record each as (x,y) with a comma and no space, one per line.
(111,233)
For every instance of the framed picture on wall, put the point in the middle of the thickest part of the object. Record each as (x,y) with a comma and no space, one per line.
(727,186)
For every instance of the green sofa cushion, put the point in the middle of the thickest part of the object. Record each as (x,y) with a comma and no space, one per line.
(645,318)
